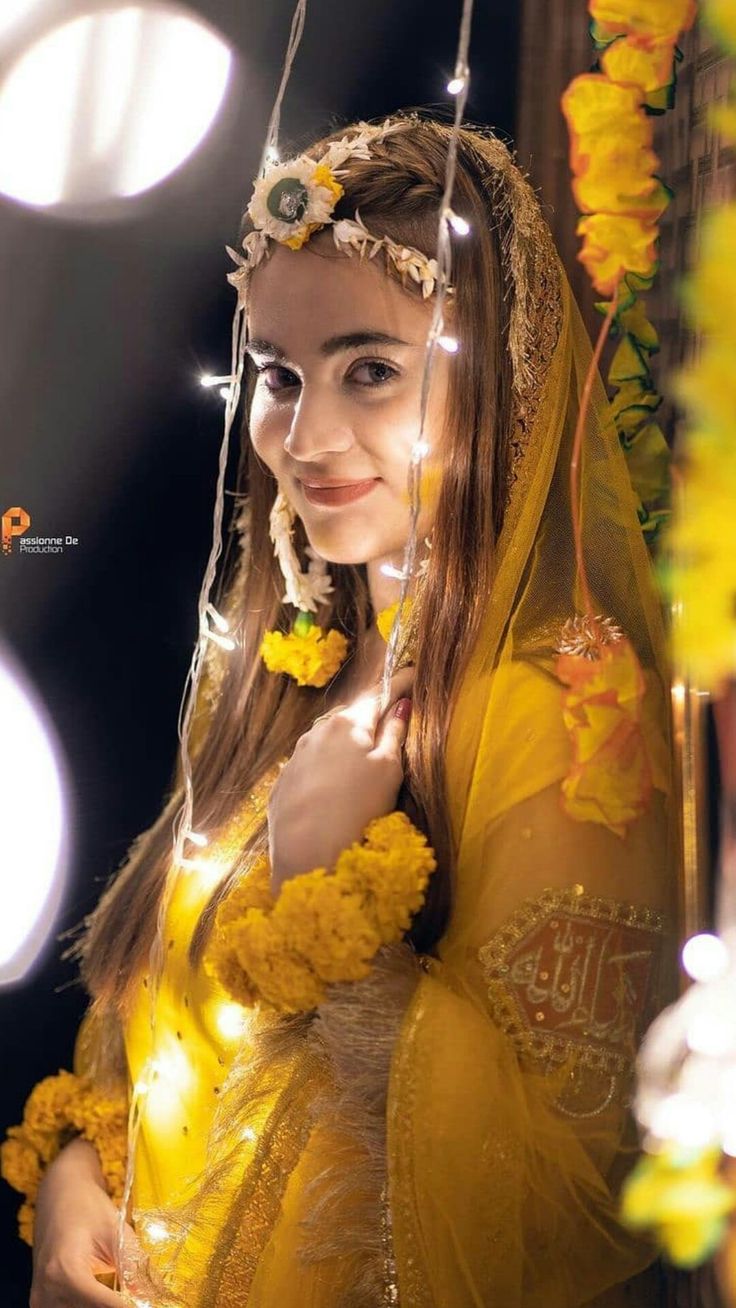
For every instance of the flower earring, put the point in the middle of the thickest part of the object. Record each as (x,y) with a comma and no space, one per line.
(307,653)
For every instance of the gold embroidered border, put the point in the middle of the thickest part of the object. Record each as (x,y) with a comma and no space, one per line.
(497,958)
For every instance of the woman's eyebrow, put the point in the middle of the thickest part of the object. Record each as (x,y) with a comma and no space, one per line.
(333,344)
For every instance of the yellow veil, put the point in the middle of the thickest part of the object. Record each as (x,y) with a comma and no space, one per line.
(452,1132)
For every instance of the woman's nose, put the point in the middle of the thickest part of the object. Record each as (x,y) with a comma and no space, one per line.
(318,427)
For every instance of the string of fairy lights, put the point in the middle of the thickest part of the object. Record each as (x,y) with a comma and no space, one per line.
(213,626)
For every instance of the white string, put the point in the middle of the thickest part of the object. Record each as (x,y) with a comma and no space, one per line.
(444,264)
(182,823)
(295,35)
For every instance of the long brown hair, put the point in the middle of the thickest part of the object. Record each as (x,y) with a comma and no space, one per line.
(258,716)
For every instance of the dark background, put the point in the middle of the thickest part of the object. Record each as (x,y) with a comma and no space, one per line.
(107,435)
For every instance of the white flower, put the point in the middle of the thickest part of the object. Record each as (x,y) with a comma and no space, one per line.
(292,198)
(305,590)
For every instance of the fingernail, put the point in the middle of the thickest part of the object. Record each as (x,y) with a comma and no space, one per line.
(403,709)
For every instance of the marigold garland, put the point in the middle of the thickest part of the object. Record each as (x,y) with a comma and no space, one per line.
(622,201)
(58,1108)
(324,927)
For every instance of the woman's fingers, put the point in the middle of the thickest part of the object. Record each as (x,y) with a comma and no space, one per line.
(393,728)
(73,1285)
(365,712)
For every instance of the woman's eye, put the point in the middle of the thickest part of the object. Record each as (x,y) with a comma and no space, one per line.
(373,372)
(276,377)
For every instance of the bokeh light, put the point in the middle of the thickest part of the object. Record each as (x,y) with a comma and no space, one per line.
(108,104)
(33,824)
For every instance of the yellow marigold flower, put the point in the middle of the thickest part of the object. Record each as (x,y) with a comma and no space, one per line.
(253,890)
(679,1195)
(649,67)
(281,976)
(324,927)
(595,108)
(221,962)
(56,1106)
(312,658)
(26,1222)
(620,181)
(614,245)
(649,20)
(20,1165)
(325,923)
(385,618)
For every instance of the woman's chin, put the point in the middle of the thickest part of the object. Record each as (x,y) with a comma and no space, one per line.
(344,547)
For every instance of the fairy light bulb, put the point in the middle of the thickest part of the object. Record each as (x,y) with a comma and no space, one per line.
(231,1020)
(222,641)
(209,379)
(272,155)
(448,343)
(460,80)
(389,570)
(197,838)
(420,450)
(459,225)
(704,957)
(219,620)
(156,1231)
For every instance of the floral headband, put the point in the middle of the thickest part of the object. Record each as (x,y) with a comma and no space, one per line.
(296,198)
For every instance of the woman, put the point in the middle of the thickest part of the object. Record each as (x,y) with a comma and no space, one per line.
(448,1125)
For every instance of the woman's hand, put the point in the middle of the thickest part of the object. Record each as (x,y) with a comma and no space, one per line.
(345,771)
(75,1237)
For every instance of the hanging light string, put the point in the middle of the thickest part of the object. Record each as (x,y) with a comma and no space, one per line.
(182,823)
(448,221)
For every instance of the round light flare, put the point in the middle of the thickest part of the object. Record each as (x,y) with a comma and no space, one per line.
(33,821)
(231,1021)
(684,1120)
(109,104)
(705,957)
(173,1078)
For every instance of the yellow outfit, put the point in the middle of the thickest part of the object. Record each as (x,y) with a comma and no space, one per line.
(451,1132)
(499,1161)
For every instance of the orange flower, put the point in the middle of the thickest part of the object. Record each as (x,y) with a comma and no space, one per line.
(649,67)
(596,109)
(614,245)
(610,780)
(648,20)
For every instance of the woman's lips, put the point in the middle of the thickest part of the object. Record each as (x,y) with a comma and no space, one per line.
(336,495)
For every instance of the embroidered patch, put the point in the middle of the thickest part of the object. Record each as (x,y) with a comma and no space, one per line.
(573,974)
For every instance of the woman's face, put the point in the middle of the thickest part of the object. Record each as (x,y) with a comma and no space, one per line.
(339,348)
